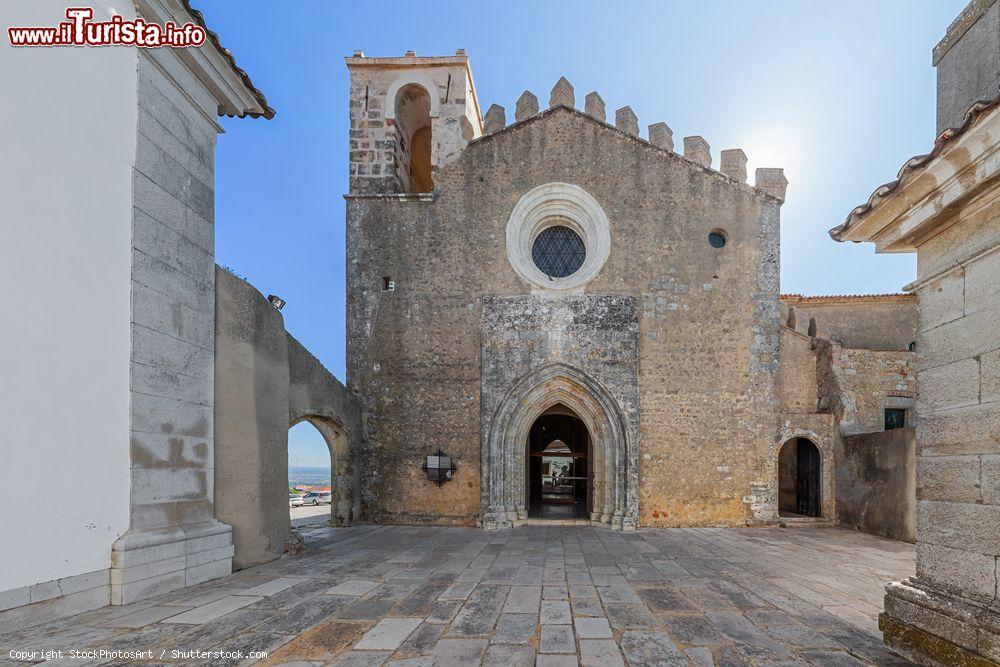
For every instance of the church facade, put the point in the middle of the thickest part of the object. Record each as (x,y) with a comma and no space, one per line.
(586,321)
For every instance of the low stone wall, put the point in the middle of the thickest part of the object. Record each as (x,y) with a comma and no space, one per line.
(265,382)
(877,483)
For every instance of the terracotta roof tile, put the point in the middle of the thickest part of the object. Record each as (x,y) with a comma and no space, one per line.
(912,166)
(227,54)
(833,298)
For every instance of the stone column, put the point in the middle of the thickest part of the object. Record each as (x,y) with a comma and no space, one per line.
(946,614)
(173,538)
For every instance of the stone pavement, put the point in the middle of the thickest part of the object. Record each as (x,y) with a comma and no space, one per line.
(535,595)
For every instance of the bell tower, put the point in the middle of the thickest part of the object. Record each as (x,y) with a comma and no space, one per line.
(409,116)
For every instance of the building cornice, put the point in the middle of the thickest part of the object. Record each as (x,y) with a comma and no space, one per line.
(931,188)
(211,63)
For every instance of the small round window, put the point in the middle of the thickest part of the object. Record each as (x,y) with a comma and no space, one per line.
(558,252)
(716,239)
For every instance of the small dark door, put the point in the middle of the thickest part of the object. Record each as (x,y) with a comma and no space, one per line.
(807,476)
(534,483)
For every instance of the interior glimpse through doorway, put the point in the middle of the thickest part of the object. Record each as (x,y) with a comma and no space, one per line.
(558,462)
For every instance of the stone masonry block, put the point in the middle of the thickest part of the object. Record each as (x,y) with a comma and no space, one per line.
(967,337)
(697,150)
(159,485)
(527,106)
(495,119)
(772,181)
(626,121)
(948,478)
(968,526)
(733,163)
(562,94)
(970,573)
(974,429)
(991,479)
(950,386)
(661,135)
(982,278)
(989,374)
(161,350)
(942,300)
(594,106)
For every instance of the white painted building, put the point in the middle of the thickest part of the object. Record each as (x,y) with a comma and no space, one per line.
(106,348)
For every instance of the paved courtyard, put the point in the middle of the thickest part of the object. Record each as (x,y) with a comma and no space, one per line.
(536,595)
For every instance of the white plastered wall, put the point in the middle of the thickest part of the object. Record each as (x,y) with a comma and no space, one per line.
(68,132)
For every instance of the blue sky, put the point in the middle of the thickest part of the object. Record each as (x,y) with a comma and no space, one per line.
(839,94)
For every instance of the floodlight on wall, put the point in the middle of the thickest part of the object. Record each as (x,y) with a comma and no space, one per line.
(276,301)
(439,468)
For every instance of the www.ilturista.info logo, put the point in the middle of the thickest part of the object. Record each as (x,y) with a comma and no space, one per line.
(79,30)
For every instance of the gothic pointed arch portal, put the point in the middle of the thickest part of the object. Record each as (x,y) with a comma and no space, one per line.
(612,461)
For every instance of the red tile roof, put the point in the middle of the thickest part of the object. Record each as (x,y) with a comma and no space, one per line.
(913,166)
(842,298)
(227,54)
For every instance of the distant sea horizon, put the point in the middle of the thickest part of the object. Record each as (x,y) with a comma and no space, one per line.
(311,475)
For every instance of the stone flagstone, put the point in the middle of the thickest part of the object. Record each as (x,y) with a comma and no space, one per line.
(355,587)
(399,599)
(388,634)
(213,610)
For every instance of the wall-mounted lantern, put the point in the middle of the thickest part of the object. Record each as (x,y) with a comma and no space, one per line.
(439,468)
(276,301)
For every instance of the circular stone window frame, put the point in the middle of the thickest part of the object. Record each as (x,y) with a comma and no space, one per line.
(554,205)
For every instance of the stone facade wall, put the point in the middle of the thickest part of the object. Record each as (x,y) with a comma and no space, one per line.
(881,322)
(959,406)
(857,385)
(708,325)
(876,483)
(265,382)
(797,375)
(251,421)
(173,539)
(374,141)
(968,62)
(596,335)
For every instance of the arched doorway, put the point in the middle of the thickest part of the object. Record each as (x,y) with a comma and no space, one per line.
(799,479)
(339,467)
(558,456)
(611,455)
(309,466)
(412,122)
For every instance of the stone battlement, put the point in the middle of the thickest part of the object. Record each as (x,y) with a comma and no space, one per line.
(387,109)
(732,161)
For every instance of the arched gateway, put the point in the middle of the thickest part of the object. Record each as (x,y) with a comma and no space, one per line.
(612,475)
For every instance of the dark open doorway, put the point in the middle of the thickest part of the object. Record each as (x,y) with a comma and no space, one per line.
(799,479)
(558,466)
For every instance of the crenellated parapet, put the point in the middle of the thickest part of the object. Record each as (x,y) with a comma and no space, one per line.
(696,149)
(411,115)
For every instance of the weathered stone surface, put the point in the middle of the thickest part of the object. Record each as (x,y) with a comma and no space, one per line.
(974,574)
(949,478)
(527,106)
(626,121)
(661,135)
(594,106)
(877,483)
(697,150)
(681,305)
(562,94)
(495,119)
(733,163)
(772,181)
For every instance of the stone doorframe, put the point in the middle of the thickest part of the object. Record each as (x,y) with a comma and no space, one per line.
(614,459)
(341,465)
